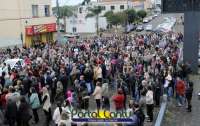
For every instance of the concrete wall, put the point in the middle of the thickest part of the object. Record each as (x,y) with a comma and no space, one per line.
(84,25)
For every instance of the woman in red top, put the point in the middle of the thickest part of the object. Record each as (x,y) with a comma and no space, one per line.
(119,100)
(3,98)
(180,91)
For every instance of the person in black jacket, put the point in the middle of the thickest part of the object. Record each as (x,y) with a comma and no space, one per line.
(188,95)
(23,113)
(139,113)
(11,112)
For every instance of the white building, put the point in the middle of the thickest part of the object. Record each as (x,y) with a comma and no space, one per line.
(121,5)
(81,24)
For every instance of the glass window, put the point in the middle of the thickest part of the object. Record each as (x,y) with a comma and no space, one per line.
(103,8)
(80,10)
(74,29)
(112,7)
(121,7)
(35,10)
(46,10)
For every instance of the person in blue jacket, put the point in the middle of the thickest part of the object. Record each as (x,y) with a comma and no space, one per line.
(35,104)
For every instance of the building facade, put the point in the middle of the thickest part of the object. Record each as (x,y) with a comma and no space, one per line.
(80,24)
(121,5)
(26,22)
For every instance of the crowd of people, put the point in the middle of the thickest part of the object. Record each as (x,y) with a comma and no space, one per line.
(131,72)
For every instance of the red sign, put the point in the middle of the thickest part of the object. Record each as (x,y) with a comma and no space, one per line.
(29,30)
(37,29)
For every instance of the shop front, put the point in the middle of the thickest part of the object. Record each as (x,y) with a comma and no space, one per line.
(40,34)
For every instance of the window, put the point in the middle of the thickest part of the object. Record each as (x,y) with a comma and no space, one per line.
(80,10)
(103,8)
(46,10)
(35,10)
(74,29)
(122,7)
(112,7)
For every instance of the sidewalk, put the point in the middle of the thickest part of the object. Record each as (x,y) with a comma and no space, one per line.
(178,116)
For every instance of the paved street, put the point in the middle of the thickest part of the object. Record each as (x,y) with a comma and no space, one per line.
(179,115)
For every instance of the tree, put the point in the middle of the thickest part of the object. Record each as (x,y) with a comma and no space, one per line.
(94,12)
(116,18)
(65,11)
(142,14)
(85,2)
(131,14)
(109,15)
(122,17)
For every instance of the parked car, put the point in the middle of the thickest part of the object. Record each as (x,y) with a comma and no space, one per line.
(14,64)
(150,18)
(145,20)
(139,28)
(149,27)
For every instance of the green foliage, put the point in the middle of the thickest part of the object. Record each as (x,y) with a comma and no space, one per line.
(85,2)
(65,11)
(142,14)
(132,15)
(109,15)
(116,18)
(122,17)
(94,12)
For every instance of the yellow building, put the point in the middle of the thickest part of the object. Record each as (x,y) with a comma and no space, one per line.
(26,21)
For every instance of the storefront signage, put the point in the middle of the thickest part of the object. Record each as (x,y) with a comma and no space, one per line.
(37,29)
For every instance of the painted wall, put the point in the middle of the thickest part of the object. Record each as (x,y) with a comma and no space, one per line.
(15,15)
(84,25)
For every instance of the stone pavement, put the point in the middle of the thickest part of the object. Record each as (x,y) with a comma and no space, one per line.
(178,116)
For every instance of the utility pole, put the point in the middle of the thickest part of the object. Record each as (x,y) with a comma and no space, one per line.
(126,24)
(58,22)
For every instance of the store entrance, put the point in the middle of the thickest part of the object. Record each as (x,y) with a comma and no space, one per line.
(36,40)
(49,37)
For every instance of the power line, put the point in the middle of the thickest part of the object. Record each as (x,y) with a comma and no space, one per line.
(11,19)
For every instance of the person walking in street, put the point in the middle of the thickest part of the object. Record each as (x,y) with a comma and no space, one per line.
(23,113)
(11,112)
(119,100)
(57,113)
(149,103)
(188,95)
(180,91)
(139,113)
(35,104)
(46,105)
(98,95)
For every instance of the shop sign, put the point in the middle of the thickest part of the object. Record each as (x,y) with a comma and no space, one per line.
(37,29)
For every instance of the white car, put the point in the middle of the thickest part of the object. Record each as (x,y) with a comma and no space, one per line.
(149,27)
(155,15)
(150,18)
(14,63)
(139,28)
(145,20)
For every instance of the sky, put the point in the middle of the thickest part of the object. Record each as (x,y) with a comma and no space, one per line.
(67,2)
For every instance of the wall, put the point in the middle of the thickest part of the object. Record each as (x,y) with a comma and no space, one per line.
(84,25)
(15,15)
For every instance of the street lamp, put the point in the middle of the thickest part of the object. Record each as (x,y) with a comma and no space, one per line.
(58,21)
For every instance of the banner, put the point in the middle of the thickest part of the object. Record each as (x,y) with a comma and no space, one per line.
(37,29)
